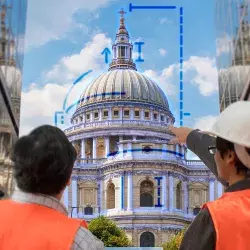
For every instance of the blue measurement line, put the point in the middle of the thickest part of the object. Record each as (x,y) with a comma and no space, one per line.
(151,150)
(181,66)
(131,7)
(181,20)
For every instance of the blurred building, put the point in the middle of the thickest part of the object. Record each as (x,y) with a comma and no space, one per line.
(127,169)
(233,49)
(12,30)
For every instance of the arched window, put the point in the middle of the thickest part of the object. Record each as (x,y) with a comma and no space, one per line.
(110,196)
(178,196)
(88,210)
(147,239)
(147,194)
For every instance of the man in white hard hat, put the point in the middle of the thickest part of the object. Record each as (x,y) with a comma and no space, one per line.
(224,223)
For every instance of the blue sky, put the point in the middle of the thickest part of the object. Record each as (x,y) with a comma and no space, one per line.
(60,45)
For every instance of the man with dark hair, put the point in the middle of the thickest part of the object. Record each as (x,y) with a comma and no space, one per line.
(224,223)
(34,218)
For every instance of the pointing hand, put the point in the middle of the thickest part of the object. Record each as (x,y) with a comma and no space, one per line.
(180,133)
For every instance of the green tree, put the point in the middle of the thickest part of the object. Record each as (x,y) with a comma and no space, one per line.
(175,241)
(108,232)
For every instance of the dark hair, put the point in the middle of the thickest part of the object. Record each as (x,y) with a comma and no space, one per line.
(43,161)
(223,146)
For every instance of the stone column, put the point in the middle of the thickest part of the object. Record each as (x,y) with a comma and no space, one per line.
(211,190)
(164,153)
(121,192)
(101,196)
(83,156)
(151,114)
(121,113)
(164,192)
(172,149)
(171,193)
(142,116)
(177,150)
(132,114)
(91,116)
(100,115)
(110,113)
(94,148)
(129,149)
(66,197)
(130,191)
(84,118)
(185,194)
(219,189)
(107,147)
(74,198)
(120,146)
(183,152)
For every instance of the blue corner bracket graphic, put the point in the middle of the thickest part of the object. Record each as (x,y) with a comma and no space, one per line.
(168,7)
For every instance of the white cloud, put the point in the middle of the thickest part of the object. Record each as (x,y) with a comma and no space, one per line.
(39,104)
(200,71)
(50,20)
(204,123)
(89,58)
(204,74)
(164,79)
(162,52)
(223,45)
(165,20)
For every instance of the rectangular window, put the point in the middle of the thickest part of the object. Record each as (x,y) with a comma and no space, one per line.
(81,118)
(87,116)
(146,114)
(162,118)
(105,113)
(96,115)
(126,112)
(116,113)
(137,113)
(155,116)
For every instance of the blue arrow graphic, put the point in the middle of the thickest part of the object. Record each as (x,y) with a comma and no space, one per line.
(107,52)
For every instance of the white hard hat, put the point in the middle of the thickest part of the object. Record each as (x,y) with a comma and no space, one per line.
(233,124)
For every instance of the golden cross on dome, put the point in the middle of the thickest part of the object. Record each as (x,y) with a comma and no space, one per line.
(122,12)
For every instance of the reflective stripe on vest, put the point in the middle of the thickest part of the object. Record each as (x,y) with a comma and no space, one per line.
(231,218)
(32,226)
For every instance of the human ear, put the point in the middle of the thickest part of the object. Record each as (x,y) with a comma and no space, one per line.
(230,157)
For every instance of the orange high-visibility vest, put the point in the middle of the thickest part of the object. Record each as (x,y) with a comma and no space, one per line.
(26,226)
(231,218)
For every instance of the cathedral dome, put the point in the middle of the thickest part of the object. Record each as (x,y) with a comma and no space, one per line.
(232,81)
(125,85)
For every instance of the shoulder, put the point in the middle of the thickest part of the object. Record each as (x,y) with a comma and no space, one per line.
(193,239)
(84,239)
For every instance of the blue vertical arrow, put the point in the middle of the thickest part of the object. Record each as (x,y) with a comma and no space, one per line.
(107,52)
